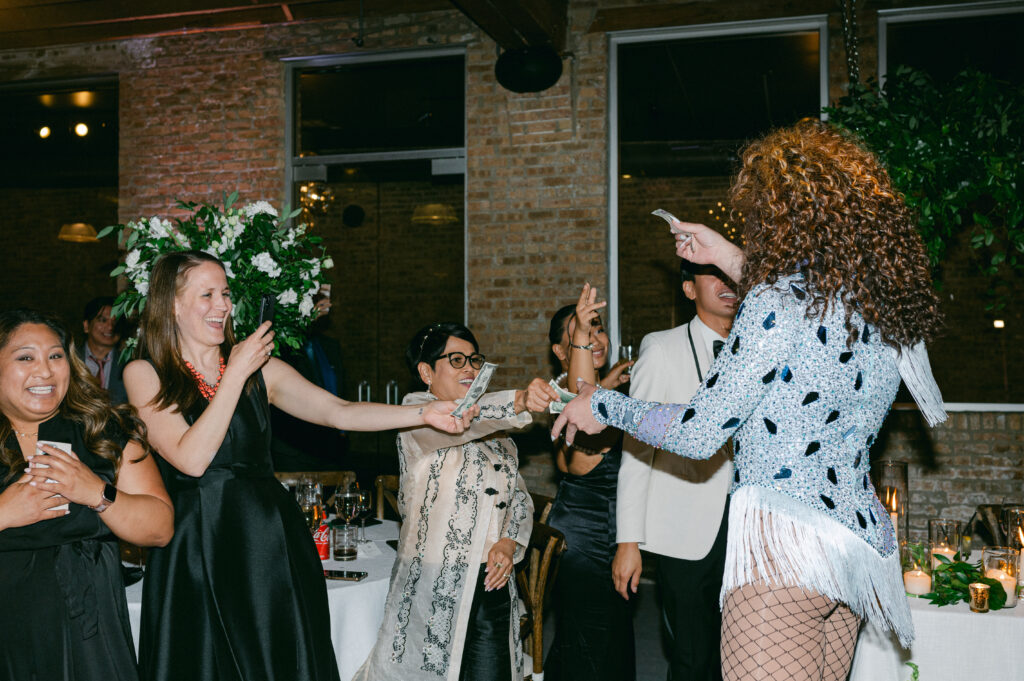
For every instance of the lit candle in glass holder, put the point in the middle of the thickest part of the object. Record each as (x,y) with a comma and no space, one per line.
(894,495)
(916,578)
(917,582)
(943,539)
(894,515)
(1001,563)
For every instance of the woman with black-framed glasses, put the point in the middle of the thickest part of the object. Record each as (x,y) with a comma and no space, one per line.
(452,608)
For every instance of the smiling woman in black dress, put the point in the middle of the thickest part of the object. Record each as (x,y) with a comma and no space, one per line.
(239,593)
(64,615)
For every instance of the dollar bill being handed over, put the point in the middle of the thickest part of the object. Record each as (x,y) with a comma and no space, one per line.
(564,398)
(476,390)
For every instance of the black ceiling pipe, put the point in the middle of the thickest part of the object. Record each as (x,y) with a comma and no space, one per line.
(528,69)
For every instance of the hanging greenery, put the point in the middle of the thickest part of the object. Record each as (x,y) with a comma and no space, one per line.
(956,151)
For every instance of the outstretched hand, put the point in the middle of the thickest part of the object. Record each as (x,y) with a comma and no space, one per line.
(536,398)
(577,416)
(438,414)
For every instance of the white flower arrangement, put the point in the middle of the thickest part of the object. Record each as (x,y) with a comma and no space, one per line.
(262,255)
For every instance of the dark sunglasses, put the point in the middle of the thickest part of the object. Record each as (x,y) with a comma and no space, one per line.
(458,360)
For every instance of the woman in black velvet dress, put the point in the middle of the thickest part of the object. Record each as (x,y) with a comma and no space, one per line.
(593,625)
(63,614)
(239,593)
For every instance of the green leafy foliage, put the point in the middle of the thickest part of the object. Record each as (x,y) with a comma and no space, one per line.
(951,580)
(262,255)
(956,152)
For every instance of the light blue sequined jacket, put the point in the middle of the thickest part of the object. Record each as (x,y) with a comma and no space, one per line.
(802,405)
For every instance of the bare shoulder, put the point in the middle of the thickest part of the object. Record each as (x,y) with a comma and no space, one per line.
(141,382)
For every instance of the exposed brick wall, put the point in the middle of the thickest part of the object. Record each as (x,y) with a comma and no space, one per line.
(974,458)
(204,113)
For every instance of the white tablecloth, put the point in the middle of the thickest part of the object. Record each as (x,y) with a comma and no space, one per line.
(357,608)
(952,644)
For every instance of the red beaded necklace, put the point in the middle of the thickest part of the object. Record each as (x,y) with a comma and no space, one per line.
(205,389)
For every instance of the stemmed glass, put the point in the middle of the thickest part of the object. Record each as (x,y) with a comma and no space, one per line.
(346,505)
(309,495)
(365,508)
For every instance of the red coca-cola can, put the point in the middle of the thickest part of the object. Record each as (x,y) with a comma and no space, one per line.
(322,539)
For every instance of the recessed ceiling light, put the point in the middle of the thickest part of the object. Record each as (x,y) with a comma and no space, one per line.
(44,132)
(83,98)
(81,129)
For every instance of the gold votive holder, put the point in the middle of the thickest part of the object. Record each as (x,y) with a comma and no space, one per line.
(979,597)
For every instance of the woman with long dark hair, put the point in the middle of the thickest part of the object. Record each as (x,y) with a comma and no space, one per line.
(75,474)
(837,305)
(593,624)
(239,593)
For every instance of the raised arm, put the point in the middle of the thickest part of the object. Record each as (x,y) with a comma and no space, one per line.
(762,338)
(190,449)
(704,246)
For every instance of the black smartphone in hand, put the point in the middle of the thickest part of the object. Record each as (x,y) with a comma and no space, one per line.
(347,575)
(267,309)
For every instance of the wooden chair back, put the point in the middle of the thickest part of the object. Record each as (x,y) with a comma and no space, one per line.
(541,507)
(535,577)
(387,490)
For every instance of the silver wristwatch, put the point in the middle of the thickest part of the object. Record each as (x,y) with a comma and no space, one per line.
(109,494)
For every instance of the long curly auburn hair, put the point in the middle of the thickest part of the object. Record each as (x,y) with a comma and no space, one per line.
(813,200)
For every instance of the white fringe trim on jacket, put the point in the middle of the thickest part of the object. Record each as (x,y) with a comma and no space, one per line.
(777,539)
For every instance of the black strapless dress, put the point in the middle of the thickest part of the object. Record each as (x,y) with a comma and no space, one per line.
(64,615)
(239,593)
(594,624)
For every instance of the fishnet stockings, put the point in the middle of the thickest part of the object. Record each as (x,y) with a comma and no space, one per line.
(786,633)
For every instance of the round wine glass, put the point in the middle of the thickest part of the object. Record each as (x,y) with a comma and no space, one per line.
(365,508)
(346,505)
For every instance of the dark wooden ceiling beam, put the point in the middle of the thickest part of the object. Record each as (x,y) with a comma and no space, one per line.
(35,23)
(699,12)
(514,24)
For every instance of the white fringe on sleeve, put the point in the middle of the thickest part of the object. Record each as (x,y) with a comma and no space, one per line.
(916,371)
(776,539)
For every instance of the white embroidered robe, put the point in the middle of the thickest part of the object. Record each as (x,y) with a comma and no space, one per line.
(459,494)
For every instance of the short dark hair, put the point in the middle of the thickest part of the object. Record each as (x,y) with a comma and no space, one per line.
(429,342)
(558,322)
(93,307)
(688,270)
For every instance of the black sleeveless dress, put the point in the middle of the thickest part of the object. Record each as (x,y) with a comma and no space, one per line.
(239,593)
(594,624)
(64,615)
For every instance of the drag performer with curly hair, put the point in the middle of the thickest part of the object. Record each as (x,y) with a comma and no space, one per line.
(837,306)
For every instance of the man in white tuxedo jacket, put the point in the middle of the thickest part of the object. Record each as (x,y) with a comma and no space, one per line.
(675,507)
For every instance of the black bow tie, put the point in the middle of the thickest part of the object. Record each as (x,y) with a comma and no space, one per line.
(716,347)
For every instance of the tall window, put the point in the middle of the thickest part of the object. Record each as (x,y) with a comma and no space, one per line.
(58,186)
(944,40)
(377,150)
(683,102)
(976,358)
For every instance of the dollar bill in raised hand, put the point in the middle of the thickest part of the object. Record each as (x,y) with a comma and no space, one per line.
(672,220)
(476,390)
